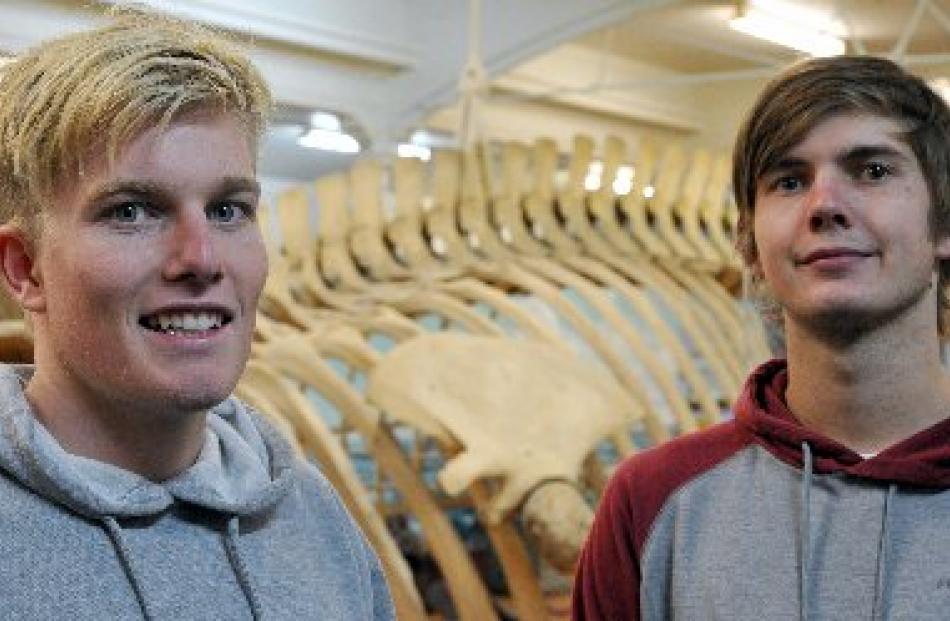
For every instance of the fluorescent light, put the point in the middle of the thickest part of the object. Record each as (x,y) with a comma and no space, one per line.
(327,121)
(794,12)
(417,151)
(791,27)
(424,137)
(432,139)
(329,141)
(789,35)
(649,191)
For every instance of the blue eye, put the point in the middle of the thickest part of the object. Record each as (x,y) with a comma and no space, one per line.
(788,183)
(222,212)
(130,212)
(229,212)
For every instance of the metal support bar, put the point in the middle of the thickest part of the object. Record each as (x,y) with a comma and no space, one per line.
(676,81)
(927,59)
(900,48)
(699,43)
(940,15)
(472,80)
(853,38)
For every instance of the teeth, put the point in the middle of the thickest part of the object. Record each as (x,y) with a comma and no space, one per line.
(186,321)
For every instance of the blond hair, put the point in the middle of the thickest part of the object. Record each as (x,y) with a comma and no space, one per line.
(73,96)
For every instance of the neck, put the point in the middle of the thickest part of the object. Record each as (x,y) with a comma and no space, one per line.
(871,391)
(154,444)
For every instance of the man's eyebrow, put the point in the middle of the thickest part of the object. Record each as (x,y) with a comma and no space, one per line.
(129,186)
(240,184)
(852,155)
(784,164)
(861,153)
(137,187)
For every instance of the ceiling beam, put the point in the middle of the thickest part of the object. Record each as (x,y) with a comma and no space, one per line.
(910,28)
(373,31)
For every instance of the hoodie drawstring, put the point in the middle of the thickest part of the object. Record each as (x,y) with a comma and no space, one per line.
(237,564)
(125,558)
(230,545)
(878,610)
(805,534)
(808,470)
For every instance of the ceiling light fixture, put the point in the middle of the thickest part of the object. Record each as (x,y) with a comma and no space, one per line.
(418,151)
(327,121)
(790,25)
(419,145)
(327,140)
(326,134)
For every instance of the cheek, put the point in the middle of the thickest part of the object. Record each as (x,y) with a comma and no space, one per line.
(251,269)
(90,277)
(761,240)
(775,227)
(88,301)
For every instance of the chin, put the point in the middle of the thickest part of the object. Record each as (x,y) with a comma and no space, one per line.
(174,405)
(194,393)
(846,323)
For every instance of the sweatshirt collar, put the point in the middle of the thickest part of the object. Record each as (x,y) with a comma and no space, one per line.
(244,467)
(922,460)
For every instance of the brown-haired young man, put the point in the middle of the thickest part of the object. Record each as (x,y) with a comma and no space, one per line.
(828,497)
(131,484)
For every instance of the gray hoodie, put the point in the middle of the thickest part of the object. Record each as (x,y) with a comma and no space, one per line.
(248,532)
(762,517)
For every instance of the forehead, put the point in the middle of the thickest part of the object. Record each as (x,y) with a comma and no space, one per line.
(190,146)
(191,152)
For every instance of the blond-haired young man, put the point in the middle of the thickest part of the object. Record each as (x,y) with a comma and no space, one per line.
(828,497)
(131,484)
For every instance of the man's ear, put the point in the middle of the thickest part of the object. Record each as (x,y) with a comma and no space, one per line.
(20,274)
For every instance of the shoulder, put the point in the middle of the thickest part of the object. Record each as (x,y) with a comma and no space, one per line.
(643,484)
(322,504)
(315,486)
(607,583)
(351,545)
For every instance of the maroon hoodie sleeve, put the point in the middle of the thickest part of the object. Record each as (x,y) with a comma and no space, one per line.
(607,581)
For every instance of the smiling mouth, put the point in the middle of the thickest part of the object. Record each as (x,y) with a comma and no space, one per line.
(186,322)
(832,254)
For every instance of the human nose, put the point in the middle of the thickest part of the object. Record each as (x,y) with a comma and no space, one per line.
(827,205)
(192,255)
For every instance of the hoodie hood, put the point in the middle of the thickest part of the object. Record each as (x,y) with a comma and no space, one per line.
(244,467)
(922,460)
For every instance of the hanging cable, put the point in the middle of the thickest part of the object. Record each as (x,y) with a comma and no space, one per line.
(472,81)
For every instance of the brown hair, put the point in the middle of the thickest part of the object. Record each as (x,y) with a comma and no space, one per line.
(100,88)
(812,91)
